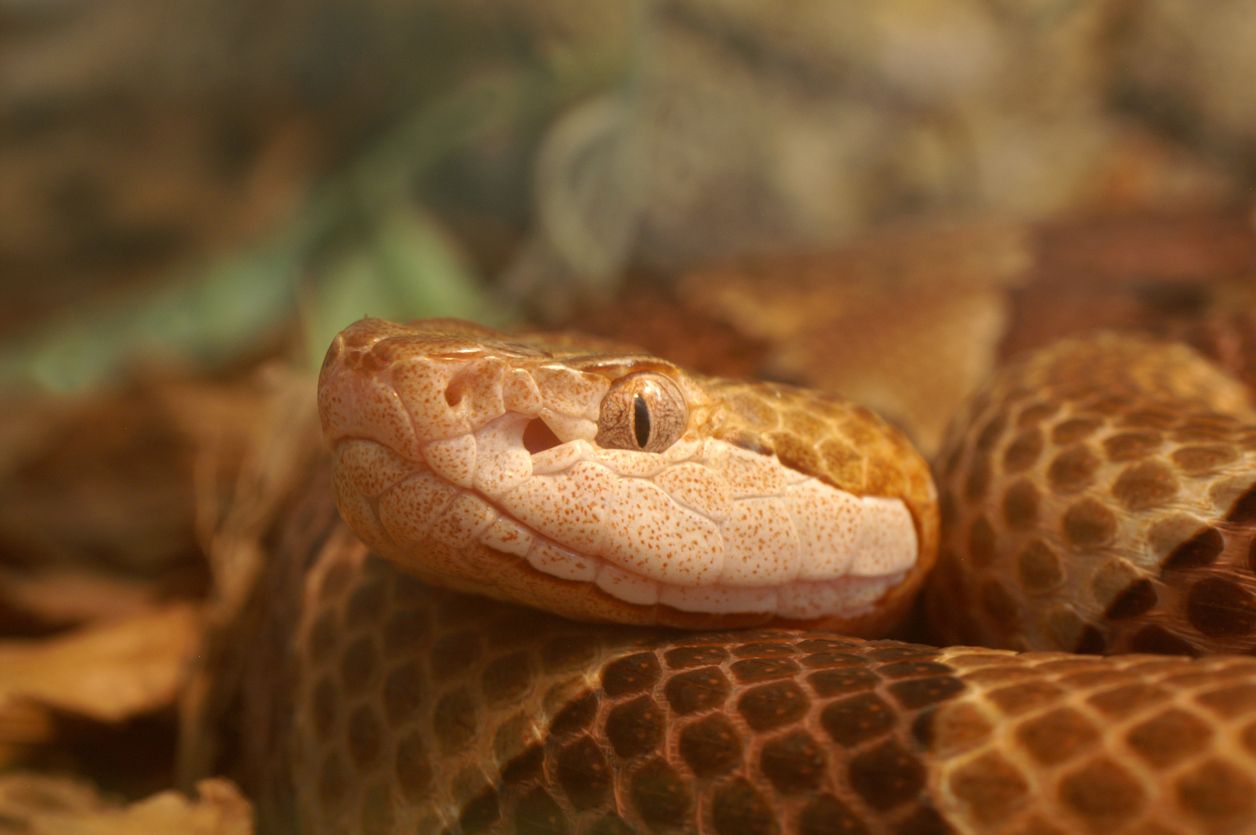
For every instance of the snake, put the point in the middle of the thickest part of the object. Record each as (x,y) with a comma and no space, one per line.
(543,583)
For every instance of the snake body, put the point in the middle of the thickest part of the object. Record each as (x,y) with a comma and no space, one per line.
(1099,497)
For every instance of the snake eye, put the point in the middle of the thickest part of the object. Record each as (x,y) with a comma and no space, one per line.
(643,411)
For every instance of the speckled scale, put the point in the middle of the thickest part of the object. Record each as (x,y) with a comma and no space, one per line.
(386,706)
(1115,520)
(738,732)
(772,503)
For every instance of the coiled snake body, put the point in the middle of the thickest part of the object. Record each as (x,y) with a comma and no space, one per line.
(1100,497)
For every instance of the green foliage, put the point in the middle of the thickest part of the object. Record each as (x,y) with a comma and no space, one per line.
(361,245)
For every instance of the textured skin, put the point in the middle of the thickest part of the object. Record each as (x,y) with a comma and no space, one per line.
(402,708)
(417,710)
(1100,496)
(405,390)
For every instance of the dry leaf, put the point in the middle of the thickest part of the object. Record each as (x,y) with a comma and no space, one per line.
(37,602)
(40,805)
(110,481)
(106,672)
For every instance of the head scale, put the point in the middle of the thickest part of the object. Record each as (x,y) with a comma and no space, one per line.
(603,484)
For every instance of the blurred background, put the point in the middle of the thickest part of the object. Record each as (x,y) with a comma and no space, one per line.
(177,183)
(192,189)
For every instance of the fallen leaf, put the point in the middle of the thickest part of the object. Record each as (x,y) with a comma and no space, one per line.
(39,602)
(107,672)
(42,805)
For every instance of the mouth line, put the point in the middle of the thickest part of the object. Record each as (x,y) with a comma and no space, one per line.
(539,434)
(625,584)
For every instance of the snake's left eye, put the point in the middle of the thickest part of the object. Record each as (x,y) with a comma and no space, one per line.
(643,411)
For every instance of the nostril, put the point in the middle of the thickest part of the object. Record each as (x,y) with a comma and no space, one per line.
(454,391)
(537,437)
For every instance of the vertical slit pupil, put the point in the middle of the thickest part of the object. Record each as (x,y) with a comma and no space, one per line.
(640,421)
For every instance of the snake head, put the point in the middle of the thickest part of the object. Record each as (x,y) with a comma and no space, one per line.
(598,483)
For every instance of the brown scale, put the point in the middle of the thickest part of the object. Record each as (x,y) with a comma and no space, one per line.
(418,710)
(380,705)
(1105,503)
(414,710)
(398,708)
